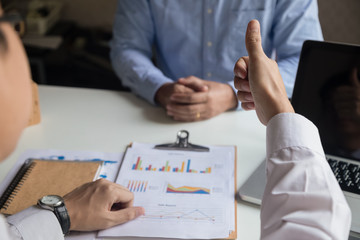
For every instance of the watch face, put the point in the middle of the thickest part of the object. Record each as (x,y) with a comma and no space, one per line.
(52,200)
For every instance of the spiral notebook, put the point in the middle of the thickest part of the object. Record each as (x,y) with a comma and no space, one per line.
(37,178)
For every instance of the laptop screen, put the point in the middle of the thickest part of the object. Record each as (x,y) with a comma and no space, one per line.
(327,92)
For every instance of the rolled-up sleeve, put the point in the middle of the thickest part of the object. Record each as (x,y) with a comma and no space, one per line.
(302,199)
(131,49)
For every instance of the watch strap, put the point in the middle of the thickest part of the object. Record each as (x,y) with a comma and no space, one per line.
(62,215)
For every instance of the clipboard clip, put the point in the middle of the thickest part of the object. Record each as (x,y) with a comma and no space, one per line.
(182,143)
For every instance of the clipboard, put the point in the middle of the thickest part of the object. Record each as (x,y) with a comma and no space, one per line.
(182,143)
(141,166)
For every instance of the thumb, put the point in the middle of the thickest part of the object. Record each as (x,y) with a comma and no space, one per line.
(253,39)
(126,214)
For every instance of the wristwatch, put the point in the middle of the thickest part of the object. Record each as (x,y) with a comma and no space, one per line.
(56,204)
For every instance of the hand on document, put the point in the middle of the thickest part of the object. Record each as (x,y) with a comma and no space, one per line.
(99,205)
(258,79)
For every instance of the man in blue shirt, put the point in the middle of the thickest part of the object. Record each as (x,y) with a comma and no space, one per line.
(179,53)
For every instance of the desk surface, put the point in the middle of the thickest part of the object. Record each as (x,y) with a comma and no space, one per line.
(101,120)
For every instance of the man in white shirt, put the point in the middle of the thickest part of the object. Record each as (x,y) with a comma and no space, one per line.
(291,205)
(302,199)
(88,207)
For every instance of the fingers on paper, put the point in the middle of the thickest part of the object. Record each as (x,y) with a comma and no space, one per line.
(124,215)
(115,193)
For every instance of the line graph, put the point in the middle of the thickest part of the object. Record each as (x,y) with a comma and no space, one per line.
(196,215)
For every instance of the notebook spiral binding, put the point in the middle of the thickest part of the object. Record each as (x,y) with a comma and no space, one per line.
(16,183)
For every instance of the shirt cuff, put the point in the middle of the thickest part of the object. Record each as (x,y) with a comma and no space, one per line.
(231,83)
(35,223)
(286,130)
(155,82)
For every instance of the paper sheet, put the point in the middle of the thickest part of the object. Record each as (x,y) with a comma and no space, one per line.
(185,194)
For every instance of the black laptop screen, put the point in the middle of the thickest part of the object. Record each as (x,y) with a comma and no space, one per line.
(327,91)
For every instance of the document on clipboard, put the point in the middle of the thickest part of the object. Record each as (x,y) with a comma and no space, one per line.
(186,193)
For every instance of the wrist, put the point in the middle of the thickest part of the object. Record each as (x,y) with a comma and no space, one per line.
(160,97)
(73,214)
(232,98)
(56,204)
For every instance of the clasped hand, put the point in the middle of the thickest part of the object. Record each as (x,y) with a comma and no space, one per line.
(193,99)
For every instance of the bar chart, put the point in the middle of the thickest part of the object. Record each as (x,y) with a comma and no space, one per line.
(137,185)
(183,167)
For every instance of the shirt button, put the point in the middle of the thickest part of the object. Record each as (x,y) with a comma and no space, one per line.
(209,74)
(209,11)
(209,44)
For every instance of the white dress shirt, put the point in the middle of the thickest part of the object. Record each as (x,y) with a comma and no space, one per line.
(32,223)
(302,199)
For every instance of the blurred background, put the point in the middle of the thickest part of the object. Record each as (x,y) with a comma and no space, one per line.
(67,40)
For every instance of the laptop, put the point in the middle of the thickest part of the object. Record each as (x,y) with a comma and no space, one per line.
(323,93)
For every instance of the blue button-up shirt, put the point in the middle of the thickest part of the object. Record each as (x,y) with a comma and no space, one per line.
(159,41)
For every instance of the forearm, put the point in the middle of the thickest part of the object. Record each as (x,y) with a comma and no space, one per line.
(302,195)
(137,72)
(131,49)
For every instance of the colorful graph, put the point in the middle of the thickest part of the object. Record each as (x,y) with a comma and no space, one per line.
(137,185)
(167,168)
(183,215)
(187,190)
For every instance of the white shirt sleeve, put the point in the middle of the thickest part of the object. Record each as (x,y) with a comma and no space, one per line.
(302,199)
(34,223)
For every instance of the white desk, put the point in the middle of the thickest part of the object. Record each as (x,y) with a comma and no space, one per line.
(100,120)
